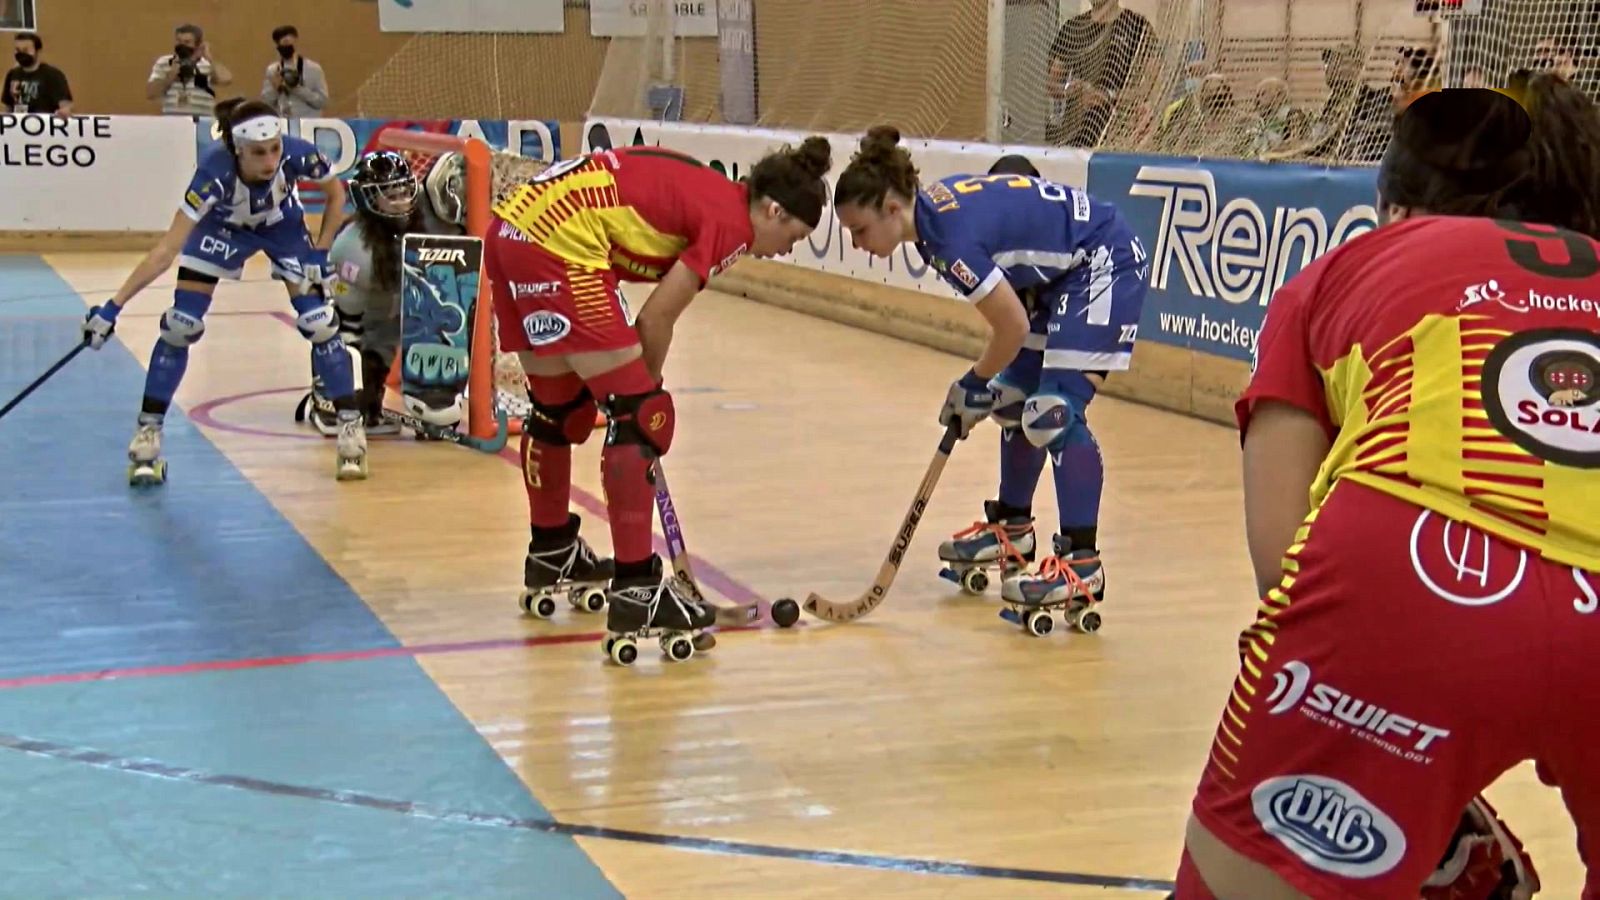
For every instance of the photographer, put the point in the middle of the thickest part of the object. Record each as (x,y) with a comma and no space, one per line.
(295,86)
(186,80)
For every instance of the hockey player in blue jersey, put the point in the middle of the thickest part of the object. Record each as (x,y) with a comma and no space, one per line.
(241,201)
(1061,279)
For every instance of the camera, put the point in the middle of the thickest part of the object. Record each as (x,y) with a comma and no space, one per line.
(291,78)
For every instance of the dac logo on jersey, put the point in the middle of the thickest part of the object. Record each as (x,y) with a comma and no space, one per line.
(1329,825)
(1293,687)
(545,327)
(1539,390)
(964,274)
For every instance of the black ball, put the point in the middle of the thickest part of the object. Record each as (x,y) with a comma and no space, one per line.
(785,612)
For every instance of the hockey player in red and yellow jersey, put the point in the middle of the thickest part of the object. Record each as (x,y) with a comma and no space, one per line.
(1430,389)
(556,252)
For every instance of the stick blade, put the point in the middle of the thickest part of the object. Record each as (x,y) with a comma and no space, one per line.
(823,608)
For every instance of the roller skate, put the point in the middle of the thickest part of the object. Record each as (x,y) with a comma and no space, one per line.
(564,562)
(1073,581)
(351,461)
(653,605)
(1002,543)
(146,468)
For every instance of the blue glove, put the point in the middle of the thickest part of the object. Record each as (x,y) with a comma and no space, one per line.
(100,324)
(969,402)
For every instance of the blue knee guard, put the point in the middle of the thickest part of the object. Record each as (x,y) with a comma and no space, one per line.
(330,361)
(182,325)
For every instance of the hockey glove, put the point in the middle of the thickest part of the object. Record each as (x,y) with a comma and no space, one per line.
(100,324)
(970,400)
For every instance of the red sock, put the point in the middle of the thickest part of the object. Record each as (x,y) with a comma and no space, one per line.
(547,469)
(625,471)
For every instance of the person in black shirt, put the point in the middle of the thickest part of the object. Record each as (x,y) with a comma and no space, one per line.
(34,86)
(1091,61)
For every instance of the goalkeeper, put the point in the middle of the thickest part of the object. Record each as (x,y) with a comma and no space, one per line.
(391,202)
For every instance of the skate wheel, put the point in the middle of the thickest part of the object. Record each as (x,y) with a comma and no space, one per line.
(605,645)
(785,612)
(677,647)
(624,652)
(1089,622)
(538,604)
(704,641)
(591,600)
(974,581)
(1039,623)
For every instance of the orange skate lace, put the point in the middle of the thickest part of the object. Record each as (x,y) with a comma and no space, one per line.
(1053,567)
(1008,550)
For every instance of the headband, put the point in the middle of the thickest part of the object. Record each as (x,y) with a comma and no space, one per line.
(261,128)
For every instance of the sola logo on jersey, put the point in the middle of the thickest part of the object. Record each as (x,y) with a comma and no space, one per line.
(1328,705)
(1540,391)
(1329,825)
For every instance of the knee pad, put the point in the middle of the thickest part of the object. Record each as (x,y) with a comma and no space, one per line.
(183,323)
(1008,406)
(559,424)
(646,420)
(1052,421)
(187,274)
(318,323)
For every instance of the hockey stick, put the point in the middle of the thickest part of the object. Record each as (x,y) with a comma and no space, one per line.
(487,445)
(738,614)
(43,378)
(823,608)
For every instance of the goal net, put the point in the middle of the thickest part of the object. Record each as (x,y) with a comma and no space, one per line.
(495,380)
(1254,79)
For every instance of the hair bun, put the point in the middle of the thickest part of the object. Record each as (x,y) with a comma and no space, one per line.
(1464,130)
(881,137)
(814,156)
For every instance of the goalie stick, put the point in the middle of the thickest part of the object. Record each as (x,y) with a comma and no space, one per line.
(823,608)
(738,614)
(435,432)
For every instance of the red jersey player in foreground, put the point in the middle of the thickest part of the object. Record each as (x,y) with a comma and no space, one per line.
(555,253)
(1430,387)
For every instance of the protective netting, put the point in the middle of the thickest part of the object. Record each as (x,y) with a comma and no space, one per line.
(1255,79)
(507,171)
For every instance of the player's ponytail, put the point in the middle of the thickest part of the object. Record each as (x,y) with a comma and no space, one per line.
(236,111)
(1564,187)
(794,178)
(880,166)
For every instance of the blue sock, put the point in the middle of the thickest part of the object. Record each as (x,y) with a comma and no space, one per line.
(1080,477)
(168,362)
(330,361)
(1021,464)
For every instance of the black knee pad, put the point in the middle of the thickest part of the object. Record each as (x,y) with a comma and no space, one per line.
(187,274)
(562,424)
(645,420)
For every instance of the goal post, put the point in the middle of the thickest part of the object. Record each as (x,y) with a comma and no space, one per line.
(493,378)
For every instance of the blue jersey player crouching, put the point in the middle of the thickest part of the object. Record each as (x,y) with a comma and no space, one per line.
(1061,280)
(241,201)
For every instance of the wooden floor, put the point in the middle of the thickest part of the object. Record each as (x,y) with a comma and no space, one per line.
(931,729)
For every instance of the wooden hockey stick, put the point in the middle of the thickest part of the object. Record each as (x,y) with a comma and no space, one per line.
(823,608)
(738,614)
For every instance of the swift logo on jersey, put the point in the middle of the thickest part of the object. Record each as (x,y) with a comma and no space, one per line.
(1329,825)
(1237,250)
(1294,688)
(442,255)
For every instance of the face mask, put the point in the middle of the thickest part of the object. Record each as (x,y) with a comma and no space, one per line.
(285,52)
(26,60)
(183,51)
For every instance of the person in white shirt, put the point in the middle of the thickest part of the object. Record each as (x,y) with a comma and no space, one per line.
(186,80)
(295,86)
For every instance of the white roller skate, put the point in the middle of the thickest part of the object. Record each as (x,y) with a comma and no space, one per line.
(146,468)
(656,606)
(351,446)
(998,544)
(1073,581)
(564,562)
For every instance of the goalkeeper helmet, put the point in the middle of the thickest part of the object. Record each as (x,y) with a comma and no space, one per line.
(383,185)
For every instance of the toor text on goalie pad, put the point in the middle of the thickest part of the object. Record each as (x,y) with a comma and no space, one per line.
(929,730)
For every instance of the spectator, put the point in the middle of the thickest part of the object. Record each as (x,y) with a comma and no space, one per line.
(1091,61)
(1275,123)
(1560,55)
(294,86)
(34,86)
(1356,118)
(186,80)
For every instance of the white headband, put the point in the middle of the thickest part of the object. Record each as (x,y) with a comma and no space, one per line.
(264,128)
